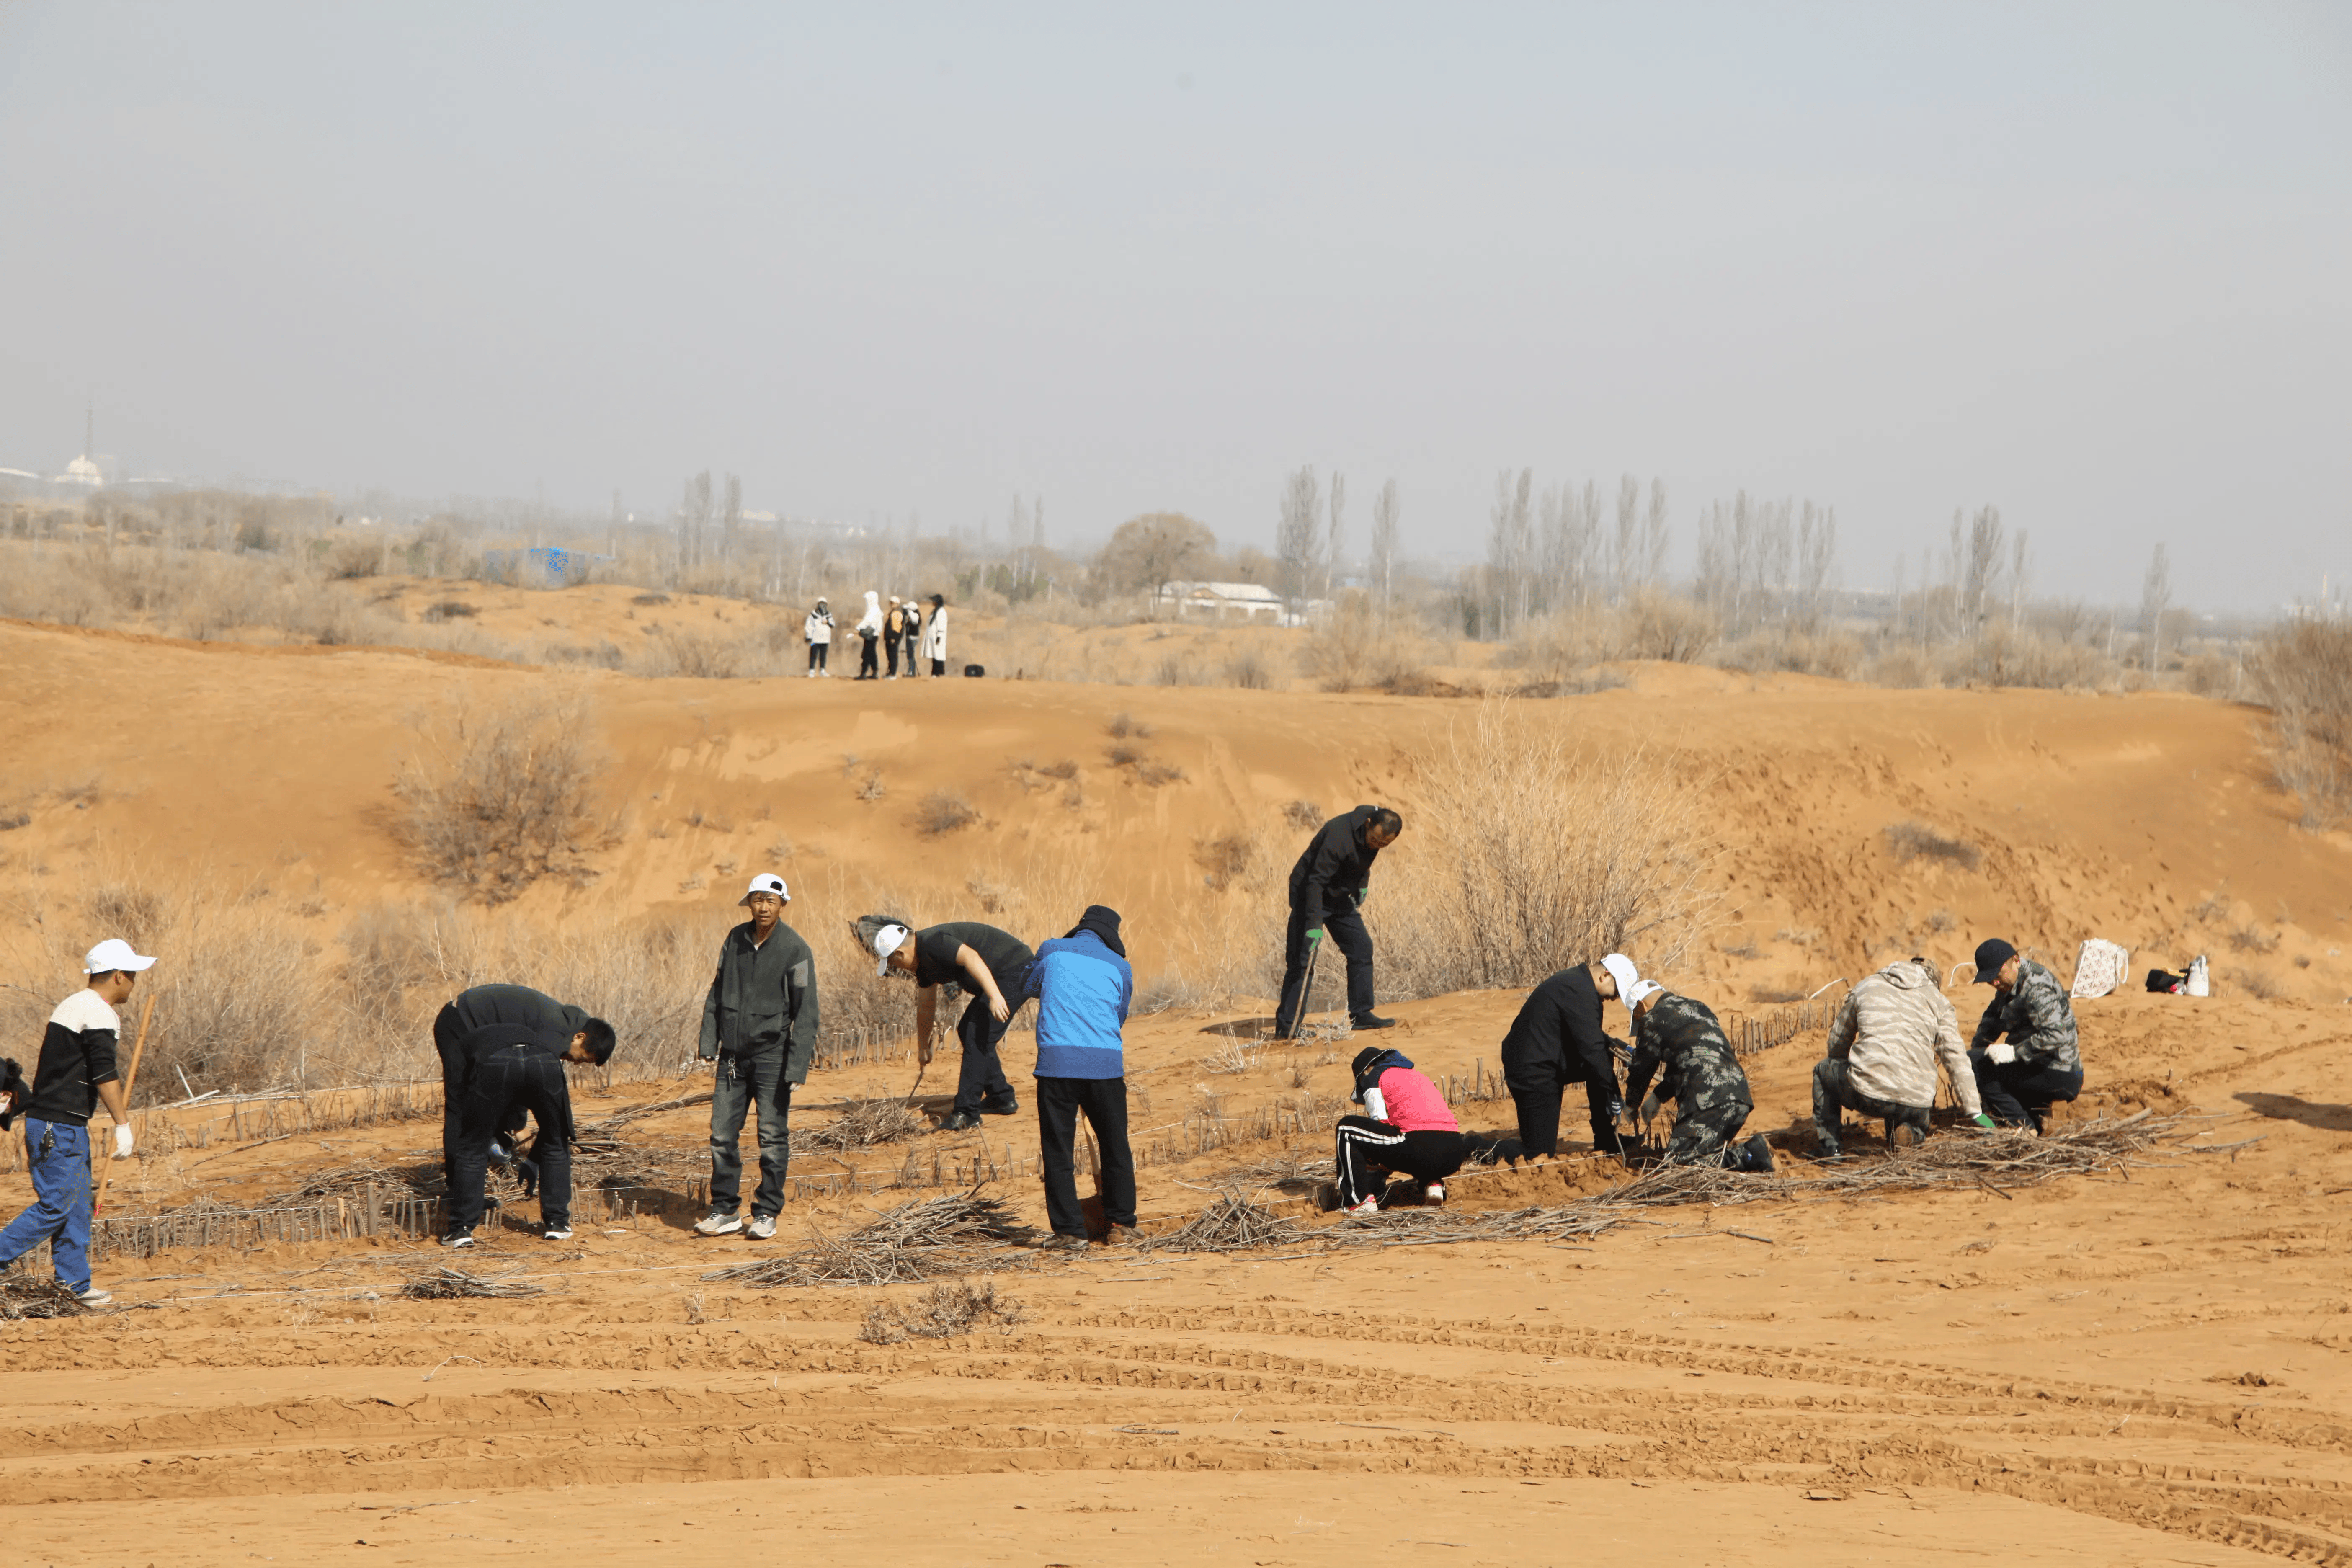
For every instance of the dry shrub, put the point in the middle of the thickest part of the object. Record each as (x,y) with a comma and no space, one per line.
(1124,726)
(508,803)
(1522,833)
(698,654)
(941,1312)
(450,610)
(1658,625)
(1246,668)
(1917,840)
(1303,815)
(2301,671)
(1356,645)
(1153,774)
(944,811)
(2260,984)
(1224,858)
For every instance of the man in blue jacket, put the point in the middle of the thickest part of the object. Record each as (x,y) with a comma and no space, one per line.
(1084,988)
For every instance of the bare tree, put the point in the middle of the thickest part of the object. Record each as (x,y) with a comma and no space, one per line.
(1981,574)
(1622,568)
(1151,551)
(1816,561)
(730,517)
(1654,534)
(1510,547)
(2155,598)
(1384,539)
(1296,538)
(1333,545)
(2016,576)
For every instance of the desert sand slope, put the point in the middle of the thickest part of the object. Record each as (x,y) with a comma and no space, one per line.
(2142,1366)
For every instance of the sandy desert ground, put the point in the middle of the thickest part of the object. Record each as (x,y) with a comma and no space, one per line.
(2151,1365)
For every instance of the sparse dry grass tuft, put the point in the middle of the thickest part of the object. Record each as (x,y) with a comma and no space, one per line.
(944,811)
(1916,840)
(2303,673)
(941,1312)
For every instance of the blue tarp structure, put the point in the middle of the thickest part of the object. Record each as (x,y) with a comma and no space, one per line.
(545,567)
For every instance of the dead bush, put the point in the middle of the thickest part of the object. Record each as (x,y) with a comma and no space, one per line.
(1153,774)
(1303,815)
(696,655)
(1917,840)
(1513,829)
(1246,668)
(941,1312)
(1658,625)
(507,804)
(450,610)
(944,811)
(1124,726)
(1356,645)
(2301,671)
(1224,858)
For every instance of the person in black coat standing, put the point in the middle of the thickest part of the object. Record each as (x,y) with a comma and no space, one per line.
(1557,1040)
(1327,888)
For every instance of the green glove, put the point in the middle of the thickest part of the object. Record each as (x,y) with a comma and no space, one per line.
(1313,939)
(1987,1122)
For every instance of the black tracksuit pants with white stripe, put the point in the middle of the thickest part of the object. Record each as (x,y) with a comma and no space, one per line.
(1365,1149)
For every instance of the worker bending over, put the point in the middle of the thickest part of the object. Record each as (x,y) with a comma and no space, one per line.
(992,964)
(1327,890)
(512,1069)
(1680,1043)
(1556,1040)
(1883,1044)
(2024,1049)
(1406,1128)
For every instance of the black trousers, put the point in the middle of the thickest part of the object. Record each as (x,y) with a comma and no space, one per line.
(448,1044)
(1343,928)
(1833,1093)
(911,655)
(505,1083)
(939,667)
(817,654)
(2018,1093)
(890,647)
(1363,1149)
(866,641)
(1539,1106)
(1103,1102)
(981,1083)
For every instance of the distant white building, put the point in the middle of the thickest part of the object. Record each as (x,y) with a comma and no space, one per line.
(1222,601)
(82,471)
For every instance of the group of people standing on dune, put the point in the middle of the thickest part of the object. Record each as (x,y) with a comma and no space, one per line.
(503,1049)
(901,631)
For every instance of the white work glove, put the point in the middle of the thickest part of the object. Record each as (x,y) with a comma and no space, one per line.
(2001,1053)
(122,1140)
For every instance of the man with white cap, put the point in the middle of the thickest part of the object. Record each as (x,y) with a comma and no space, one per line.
(76,1073)
(992,965)
(758,1021)
(1679,1041)
(1556,1040)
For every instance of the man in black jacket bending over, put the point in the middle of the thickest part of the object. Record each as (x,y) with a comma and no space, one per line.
(511,1064)
(760,1022)
(1557,1040)
(1327,887)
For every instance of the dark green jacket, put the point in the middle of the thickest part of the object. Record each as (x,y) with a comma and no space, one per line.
(763,998)
(1683,1039)
(2037,1016)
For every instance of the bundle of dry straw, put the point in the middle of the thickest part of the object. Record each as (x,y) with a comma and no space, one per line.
(455,1284)
(1232,1224)
(863,1123)
(956,1234)
(22,1296)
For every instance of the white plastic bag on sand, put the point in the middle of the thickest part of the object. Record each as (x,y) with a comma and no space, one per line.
(2201,984)
(2100,968)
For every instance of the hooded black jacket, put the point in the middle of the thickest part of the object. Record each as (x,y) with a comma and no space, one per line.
(1335,868)
(1558,1038)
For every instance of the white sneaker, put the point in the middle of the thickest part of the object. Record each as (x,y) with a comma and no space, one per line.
(718,1223)
(459,1238)
(93,1297)
(761,1228)
(1433,1194)
(559,1233)
(1370,1205)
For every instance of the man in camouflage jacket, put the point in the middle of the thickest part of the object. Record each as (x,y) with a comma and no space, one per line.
(2023,1051)
(1680,1039)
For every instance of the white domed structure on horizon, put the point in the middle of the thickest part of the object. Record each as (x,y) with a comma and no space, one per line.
(82,471)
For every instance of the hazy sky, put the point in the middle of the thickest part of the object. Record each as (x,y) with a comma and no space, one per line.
(2090,263)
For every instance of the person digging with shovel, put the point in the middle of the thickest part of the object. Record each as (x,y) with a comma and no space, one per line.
(990,963)
(74,1075)
(1327,889)
(1683,1039)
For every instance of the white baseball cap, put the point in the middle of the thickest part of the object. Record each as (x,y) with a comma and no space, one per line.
(766,882)
(887,941)
(111,954)
(1642,991)
(1620,969)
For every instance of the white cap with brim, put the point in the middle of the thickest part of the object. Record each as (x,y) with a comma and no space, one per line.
(887,941)
(1642,992)
(111,954)
(1620,969)
(766,882)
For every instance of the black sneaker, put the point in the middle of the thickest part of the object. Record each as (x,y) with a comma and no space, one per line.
(1369,1021)
(960,1121)
(1062,1242)
(1755,1155)
(459,1238)
(1007,1109)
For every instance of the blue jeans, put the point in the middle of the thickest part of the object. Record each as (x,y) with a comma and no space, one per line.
(754,1083)
(58,1156)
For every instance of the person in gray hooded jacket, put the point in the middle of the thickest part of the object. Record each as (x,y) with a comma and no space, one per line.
(1883,1045)
(758,1021)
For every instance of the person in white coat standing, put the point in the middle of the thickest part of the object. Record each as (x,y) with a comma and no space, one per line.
(869,628)
(818,630)
(935,637)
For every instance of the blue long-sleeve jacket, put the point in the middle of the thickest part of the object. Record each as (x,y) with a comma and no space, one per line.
(1083,991)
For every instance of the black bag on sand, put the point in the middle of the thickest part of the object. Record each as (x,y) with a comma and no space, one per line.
(974,669)
(2161,980)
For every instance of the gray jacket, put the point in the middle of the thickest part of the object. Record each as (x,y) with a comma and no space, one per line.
(2036,1017)
(763,998)
(1891,1030)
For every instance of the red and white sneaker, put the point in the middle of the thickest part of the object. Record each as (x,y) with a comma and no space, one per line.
(1370,1205)
(1433,1194)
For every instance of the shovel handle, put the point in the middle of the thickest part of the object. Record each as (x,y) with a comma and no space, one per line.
(131,1082)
